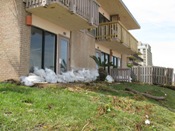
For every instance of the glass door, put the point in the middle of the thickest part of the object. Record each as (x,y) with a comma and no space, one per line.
(49,51)
(42,49)
(63,54)
(36,48)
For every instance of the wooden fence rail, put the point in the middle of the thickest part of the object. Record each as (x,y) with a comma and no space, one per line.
(119,75)
(153,75)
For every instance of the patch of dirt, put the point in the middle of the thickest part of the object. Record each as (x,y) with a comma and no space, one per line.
(12,81)
(128,106)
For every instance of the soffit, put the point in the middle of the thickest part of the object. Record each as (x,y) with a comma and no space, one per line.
(114,7)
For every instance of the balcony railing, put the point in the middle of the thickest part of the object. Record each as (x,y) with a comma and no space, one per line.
(87,9)
(115,31)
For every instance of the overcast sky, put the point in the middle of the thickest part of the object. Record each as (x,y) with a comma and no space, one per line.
(157,21)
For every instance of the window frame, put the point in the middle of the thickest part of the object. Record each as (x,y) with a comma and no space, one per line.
(43,47)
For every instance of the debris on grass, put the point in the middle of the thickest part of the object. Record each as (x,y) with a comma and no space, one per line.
(147,122)
(147,116)
(104,109)
(7,113)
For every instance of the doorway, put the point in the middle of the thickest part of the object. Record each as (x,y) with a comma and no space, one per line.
(63,54)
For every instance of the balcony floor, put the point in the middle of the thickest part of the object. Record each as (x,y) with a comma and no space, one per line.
(60,15)
(116,45)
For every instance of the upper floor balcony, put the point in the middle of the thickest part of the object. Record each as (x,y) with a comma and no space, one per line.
(70,14)
(117,7)
(115,36)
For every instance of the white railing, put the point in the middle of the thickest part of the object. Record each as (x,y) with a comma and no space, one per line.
(88,9)
(35,3)
(112,31)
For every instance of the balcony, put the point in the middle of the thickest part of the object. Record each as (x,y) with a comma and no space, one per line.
(118,7)
(115,36)
(70,14)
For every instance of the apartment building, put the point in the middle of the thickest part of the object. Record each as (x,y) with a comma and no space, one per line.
(134,60)
(62,34)
(145,50)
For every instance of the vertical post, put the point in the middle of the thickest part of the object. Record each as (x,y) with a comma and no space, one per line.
(90,11)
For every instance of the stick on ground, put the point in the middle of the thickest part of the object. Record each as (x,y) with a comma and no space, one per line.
(145,94)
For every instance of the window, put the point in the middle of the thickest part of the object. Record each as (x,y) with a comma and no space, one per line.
(49,51)
(102,18)
(91,31)
(115,61)
(119,62)
(42,49)
(105,56)
(36,48)
(102,56)
(98,55)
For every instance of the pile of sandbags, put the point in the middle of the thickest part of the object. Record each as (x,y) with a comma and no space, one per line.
(47,75)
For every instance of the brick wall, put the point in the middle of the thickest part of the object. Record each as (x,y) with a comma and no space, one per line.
(14,40)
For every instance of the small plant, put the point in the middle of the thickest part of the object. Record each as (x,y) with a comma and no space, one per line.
(101,67)
(129,65)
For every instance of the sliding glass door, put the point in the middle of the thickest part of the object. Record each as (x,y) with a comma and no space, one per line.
(42,49)
(49,51)
(36,50)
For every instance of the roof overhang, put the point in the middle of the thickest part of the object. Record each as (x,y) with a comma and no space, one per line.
(114,7)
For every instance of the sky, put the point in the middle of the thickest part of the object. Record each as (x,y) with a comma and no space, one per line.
(157,21)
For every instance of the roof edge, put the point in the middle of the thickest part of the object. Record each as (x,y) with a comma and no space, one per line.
(129,13)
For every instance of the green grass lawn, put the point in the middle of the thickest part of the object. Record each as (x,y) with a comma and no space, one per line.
(93,107)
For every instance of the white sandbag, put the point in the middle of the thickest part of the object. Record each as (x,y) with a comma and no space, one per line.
(72,73)
(30,80)
(83,75)
(94,74)
(69,76)
(25,81)
(109,79)
(130,79)
(28,83)
(35,79)
(80,78)
(87,75)
(61,79)
(32,74)
(50,77)
(39,72)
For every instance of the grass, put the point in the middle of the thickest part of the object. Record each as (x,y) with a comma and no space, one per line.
(96,107)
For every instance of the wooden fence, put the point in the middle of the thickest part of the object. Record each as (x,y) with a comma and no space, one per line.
(121,75)
(153,75)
